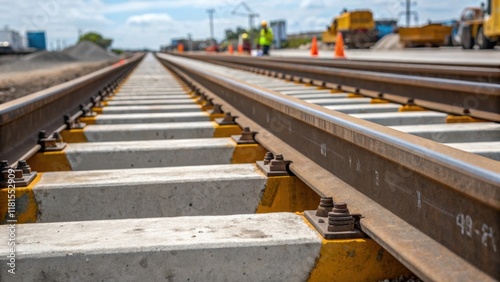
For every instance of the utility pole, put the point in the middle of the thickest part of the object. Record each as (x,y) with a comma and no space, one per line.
(408,12)
(211,16)
(190,38)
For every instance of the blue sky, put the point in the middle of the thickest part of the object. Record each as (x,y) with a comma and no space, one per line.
(151,23)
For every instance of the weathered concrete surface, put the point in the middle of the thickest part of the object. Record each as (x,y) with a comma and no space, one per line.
(489,150)
(404,118)
(143,154)
(152,118)
(369,108)
(186,101)
(149,131)
(455,132)
(150,109)
(142,193)
(147,97)
(263,247)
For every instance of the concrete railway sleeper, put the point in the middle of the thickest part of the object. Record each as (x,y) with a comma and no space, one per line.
(109,197)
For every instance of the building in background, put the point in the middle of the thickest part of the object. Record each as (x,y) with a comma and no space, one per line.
(36,40)
(10,41)
(279,30)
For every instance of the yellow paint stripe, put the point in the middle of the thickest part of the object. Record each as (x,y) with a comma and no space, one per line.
(26,206)
(378,101)
(354,260)
(462,119)
(97,110)
(74,136)
(226,130)
(411,108)
(49,161)
(104,103)
(353,95)
(248,153)
(336,91)
(287,194)
(88,120)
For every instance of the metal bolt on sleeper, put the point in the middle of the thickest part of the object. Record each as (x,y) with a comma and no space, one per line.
(73,123)
(247,137)
(268,158)
(49,143)
(217,109)
(274,167)
(325,206)
(23,175)
(228,119)
(334,221)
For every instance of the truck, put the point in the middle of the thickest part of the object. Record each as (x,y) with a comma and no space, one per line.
(429,35)
(357,29)
(10,41)
(479,26)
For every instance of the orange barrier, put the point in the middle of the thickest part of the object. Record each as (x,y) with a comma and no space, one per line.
(339,47)
(240,49)
(180,47)
(230,48)
(314,47)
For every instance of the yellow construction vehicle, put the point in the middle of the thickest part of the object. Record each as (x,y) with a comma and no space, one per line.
(480,26)
(430,35)
(357,28)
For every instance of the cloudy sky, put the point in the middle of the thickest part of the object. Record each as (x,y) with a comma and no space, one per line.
(151,23)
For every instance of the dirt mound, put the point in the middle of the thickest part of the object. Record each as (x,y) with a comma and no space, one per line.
(49,57)
(87,51)
(388,42)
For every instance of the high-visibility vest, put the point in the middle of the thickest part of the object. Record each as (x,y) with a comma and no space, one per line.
(266,38)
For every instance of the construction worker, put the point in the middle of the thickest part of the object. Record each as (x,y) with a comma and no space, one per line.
(247,46)
(266,38)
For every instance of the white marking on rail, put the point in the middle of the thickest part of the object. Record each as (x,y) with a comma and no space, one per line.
(323,149)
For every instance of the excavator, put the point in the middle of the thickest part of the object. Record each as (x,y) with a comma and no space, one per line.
(479,26)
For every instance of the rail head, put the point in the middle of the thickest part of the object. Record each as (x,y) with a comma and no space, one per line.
(427,184)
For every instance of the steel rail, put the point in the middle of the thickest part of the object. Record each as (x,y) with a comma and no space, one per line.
(479,73)
(481,100)
(450,195)
(23,118)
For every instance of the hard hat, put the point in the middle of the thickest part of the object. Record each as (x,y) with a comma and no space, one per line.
(264,23)
(244,36)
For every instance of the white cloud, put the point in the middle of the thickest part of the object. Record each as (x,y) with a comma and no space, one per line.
(149,19)
(312,4)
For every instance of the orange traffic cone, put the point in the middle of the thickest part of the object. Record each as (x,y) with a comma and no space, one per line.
(240,48)
(339,47)
(314,47)
(180,48)
(230,48)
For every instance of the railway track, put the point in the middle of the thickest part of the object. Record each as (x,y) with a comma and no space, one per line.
(145,190)
(475,99)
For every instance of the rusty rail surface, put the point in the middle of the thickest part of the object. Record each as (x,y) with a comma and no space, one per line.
(477,99)
(446,194)
(23,118)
